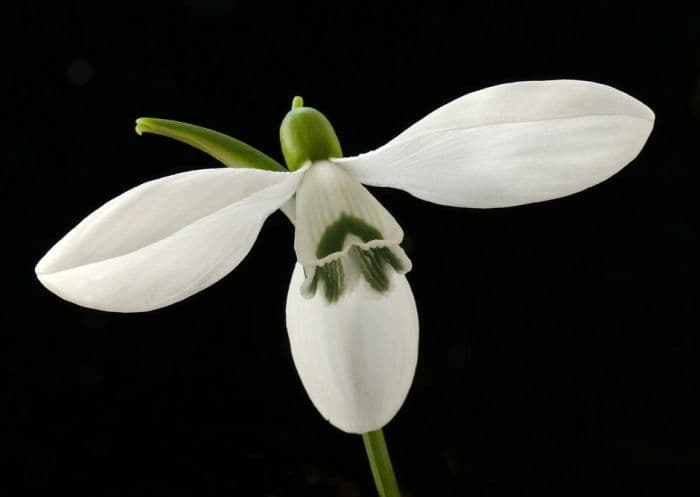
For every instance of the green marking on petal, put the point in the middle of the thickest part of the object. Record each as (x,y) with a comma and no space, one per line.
(374,264)
(391,258)
(228,150)
(373,270)
(333,238)
(313,286)
(333,278)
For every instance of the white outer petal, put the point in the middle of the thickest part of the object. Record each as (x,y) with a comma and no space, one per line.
(164,240)
(512,144)
(356,358)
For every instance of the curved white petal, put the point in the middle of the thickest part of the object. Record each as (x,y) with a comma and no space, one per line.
(512,144)
(356,357)
(164,240)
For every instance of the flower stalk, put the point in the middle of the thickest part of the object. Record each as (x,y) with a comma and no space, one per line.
(380,462)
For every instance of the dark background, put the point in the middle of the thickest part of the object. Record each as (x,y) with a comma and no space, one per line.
(559,341)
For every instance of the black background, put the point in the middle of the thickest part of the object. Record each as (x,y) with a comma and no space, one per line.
(559,341)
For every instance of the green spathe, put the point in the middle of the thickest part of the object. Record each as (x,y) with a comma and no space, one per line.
(226,149)
(306,135)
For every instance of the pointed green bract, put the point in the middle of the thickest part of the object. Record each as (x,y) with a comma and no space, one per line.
(230,151)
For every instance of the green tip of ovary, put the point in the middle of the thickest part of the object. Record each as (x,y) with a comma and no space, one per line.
(297,102)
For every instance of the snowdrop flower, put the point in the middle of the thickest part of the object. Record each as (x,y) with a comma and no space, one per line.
(351,316)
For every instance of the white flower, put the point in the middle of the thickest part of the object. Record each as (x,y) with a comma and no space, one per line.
(351,316)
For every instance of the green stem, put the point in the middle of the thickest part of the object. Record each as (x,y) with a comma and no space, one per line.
(380,462)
